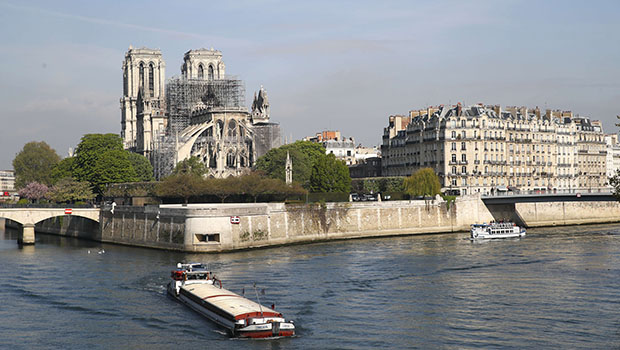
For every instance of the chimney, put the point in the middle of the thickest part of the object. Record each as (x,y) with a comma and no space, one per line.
(459,109)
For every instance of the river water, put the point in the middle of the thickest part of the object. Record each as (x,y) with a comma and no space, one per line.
(556,288)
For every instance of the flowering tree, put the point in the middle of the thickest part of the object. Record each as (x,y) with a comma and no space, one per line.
(33,191)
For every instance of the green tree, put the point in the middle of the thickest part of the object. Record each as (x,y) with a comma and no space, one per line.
(304,154)
(221,188)
(180,186)
(191,165)
(68,190)
(141,166)
(111,167)
(255,185)
(423,182)
(330,175)
(63,169)
(614,182)
(34,163)
(371,186)
(101,159)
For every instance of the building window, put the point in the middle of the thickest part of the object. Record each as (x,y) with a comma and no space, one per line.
(463,170)
(214,237)
(463,123)
(453,170)
(211,76)
(232,128)
(201,72)
(125,83)
(464,157)
(141,70)
(454,157)
(230,160)
(151,80)
(453,135)
(463,146)
(454,146)
(464,134)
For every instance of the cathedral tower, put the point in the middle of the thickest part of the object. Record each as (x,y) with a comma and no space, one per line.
(142,104)
(203,64)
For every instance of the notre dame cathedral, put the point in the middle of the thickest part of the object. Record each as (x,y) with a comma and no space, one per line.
(200,113)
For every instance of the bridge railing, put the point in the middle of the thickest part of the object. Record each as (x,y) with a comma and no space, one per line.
(48,205)
(575,191)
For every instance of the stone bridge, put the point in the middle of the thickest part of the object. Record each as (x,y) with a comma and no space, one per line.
(28,217)
(532,210)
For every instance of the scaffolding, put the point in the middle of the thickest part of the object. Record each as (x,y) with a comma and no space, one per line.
(266,137)
(184,95)
(163,156)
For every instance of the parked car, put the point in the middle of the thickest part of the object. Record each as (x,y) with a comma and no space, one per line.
(369,197)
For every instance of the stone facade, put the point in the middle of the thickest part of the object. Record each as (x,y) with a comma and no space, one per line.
(142,104)
(203,64)
(7,181)
(341,147)
(483,149)
(201,113)
(613,154)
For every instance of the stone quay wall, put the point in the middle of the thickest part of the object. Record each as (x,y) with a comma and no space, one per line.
(228,227)
(567,213)
(70,226)
(215,227)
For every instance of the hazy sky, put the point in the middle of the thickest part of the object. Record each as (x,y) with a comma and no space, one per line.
(336,65)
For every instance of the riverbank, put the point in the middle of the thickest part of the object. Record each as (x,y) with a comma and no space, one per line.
(229,227)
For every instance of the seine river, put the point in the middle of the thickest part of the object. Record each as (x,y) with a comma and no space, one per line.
(556,288)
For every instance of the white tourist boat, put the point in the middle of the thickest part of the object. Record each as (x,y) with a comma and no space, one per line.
(198,288)
(496,230)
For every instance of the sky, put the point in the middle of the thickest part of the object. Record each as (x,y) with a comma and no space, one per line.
(326,65)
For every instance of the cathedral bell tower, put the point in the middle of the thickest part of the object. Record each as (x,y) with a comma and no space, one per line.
(142,104)
(203,64)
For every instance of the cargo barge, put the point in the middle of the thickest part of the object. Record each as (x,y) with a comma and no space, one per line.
(198,288)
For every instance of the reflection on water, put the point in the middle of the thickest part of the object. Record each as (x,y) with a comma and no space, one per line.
(555,288)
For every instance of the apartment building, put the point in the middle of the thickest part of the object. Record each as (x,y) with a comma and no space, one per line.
(488,149)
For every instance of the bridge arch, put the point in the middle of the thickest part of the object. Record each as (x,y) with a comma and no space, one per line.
(29,217)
